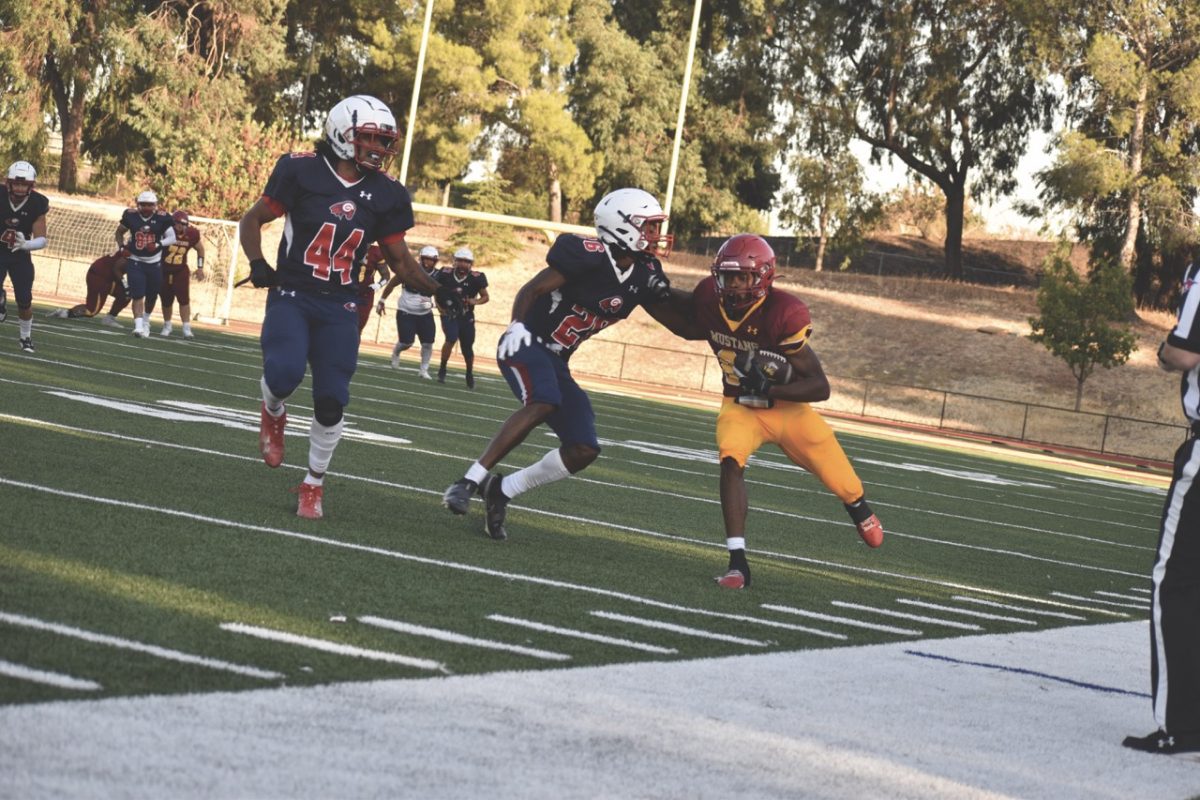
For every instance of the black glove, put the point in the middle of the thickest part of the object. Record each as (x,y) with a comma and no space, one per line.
(449,301)
(750,375)
(262,274)
(659,287)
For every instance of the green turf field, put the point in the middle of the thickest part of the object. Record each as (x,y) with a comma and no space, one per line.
(147,549)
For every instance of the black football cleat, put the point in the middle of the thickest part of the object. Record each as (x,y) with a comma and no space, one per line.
(470,381)
(1164,743)
(3,305)
(27,344)
(458,497)
(441,374)
(495,505)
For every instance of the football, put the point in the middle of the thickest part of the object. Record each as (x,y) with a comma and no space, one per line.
(775,366)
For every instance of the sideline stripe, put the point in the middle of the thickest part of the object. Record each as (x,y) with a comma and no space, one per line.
(1085,599)
(667,626)
(854,623)
(458,638)
(591,637)
(139,647)
(55,679)
(965,626)
(1023,671)
(362,548)
(605,523)
(966,611)
(962,598)
(326,646)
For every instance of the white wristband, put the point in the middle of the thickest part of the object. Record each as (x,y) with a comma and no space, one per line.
(34,244)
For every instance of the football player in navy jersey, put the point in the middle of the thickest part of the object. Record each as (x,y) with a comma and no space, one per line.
(337,200)
(22,230)
(471,286)
(150,231)
(587,285)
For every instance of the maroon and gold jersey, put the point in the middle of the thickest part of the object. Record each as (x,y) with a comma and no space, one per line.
(176,257)
(778,322)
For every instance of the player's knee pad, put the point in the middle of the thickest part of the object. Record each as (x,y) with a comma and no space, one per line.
(327,411)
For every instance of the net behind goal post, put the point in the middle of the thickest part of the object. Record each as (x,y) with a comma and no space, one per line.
(80,231)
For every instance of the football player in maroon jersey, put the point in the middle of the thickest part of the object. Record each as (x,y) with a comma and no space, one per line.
(176,280)
(105,277)
(738,311)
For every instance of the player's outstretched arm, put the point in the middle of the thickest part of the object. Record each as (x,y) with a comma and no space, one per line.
(677,315)
(250,228)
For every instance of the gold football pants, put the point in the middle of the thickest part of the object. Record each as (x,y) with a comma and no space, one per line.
(801,434)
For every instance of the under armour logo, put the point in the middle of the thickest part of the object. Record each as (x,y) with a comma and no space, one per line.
(752,330)
(364,195)
(288,292)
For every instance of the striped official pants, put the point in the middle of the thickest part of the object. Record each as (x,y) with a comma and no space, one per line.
(1175,618)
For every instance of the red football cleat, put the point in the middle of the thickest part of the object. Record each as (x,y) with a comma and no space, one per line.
(871,531)
(270,437)
(733,579)
(309,506)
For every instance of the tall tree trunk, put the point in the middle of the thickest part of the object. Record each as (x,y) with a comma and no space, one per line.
(822,239)
(555,196)
(1079,392)
(956,197)
(1137,143)
(69,93)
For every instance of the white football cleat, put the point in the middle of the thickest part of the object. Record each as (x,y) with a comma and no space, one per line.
(111,321)
(166,329)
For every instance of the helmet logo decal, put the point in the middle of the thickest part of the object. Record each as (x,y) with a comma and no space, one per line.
(344,209)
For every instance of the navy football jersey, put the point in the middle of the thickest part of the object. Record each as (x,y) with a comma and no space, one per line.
(19,219)
(331,223)
(145,234)
(597,293)
(467,287)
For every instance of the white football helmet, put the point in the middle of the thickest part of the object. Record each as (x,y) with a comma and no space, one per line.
(21,177)
(428,251)
(362,129)
(147,198)
(631,220)
(464,254)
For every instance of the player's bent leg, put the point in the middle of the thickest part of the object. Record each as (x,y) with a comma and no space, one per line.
(323,436)
(734,507)
(271,426)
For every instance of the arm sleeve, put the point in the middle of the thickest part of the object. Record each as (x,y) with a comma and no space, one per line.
(283,185)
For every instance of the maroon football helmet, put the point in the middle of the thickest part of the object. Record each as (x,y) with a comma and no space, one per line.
(743,255)
(180,219)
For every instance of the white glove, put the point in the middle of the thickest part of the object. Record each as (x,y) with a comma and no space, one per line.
(18,242)
(377,285)
(514,338)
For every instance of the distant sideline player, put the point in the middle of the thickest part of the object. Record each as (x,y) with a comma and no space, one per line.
(587,285)
(105,277)
(150,230)
(414,312)
(23,230)
(738,312)
(176,280)
(337,201)
(471,286)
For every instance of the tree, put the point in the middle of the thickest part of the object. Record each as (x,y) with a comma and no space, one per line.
(1081,319)
(1129,164)
(944,86)
(828,199)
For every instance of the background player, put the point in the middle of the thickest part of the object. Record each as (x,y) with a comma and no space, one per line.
(738,311)
(471,286)
(414,312)
(150,230)
(176,280)
(105,277)
(22,230)
(374,276)
(588,284)
(337,201)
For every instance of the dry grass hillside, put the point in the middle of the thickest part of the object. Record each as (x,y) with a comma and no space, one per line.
(910,331)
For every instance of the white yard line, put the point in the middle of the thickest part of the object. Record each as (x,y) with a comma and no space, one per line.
(326,646)
(55,679)
(1088,599)
(591,637)
(1023,609)
(458,638)
(138,647)
(682,629)
(964,611)
(854,623)
(963,626)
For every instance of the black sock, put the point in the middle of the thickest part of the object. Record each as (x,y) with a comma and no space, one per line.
(737,560)
(859,511)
